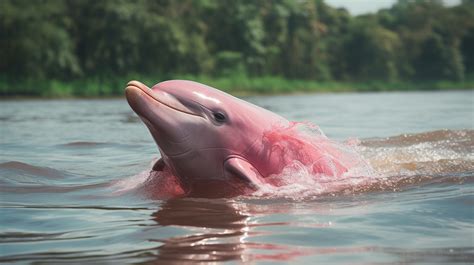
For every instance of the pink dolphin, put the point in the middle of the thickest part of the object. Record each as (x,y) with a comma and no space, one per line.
(212,142)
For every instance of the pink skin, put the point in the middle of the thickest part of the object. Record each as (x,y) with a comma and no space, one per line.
(212,142)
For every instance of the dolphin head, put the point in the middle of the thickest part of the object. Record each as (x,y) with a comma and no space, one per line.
(197,128)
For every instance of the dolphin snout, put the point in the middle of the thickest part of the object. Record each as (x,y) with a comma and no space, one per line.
(134,91)
(144,99)
(137,84)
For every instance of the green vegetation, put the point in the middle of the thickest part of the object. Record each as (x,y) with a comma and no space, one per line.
(237,85)
(63,48)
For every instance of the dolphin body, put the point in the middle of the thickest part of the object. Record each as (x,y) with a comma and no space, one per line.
(209,140)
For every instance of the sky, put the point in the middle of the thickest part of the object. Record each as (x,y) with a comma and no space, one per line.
(357,7)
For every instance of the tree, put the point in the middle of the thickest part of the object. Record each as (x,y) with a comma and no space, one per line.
(371,51)
(35,39)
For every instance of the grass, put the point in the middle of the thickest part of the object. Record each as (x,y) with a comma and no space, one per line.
(235,84)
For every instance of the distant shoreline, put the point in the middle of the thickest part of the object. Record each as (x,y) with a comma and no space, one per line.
(236,85)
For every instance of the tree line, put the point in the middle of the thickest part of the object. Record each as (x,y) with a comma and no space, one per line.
(74,39)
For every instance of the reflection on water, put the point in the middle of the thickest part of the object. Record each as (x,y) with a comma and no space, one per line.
(62,162)
(220,234)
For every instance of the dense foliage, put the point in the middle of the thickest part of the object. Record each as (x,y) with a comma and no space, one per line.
(72,40)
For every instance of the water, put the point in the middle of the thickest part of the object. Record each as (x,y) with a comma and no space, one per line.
(69,171)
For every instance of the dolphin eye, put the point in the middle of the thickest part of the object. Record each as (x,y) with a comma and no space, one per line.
(219,117)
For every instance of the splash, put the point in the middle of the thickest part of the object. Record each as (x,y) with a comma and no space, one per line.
(311,163)
(373,165)
(306,144)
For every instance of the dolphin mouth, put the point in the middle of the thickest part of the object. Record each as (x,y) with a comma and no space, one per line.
(162,113)
(136,90)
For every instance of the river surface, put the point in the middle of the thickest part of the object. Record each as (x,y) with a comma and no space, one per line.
(64,166)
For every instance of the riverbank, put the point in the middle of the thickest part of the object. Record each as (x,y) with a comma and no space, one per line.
(237,85)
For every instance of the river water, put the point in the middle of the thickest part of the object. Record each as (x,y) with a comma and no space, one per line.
(67,197)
